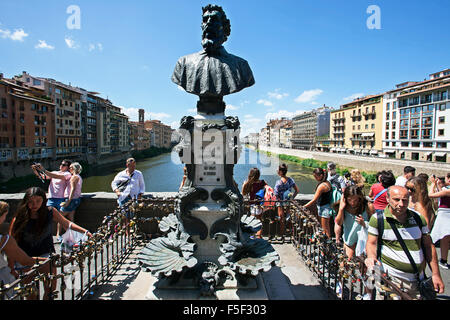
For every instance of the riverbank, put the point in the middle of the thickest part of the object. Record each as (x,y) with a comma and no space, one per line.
(369,165)
(103,166)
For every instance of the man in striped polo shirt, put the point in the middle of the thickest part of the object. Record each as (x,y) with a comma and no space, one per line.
(393,259)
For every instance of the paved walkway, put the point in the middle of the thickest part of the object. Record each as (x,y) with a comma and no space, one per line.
(291,280)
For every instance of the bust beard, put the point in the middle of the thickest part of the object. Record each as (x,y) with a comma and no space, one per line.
(212,44)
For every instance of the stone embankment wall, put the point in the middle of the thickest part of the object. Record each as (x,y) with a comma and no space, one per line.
(368,164)
(95,206)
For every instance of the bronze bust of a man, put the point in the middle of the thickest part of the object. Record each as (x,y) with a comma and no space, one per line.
(213,73)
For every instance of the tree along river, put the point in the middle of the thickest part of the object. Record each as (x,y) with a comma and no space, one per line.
(164,173)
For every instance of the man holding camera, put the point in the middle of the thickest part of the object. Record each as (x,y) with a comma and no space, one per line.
(129,183)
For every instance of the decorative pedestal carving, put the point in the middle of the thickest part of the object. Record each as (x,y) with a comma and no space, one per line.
(207,245)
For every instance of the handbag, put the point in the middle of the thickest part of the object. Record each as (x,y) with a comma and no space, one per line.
(71,238)
(426,287)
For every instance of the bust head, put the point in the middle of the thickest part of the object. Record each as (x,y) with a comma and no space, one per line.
(215,27)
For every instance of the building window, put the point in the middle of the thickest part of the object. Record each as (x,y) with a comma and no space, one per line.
(442,107)
(387,115)
(428,144)
(403,134)
(440,132)
(441,119)
(426,134)
(387,125)
(441,145)
(414,133)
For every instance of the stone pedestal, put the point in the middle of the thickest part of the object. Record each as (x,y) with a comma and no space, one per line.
(186,290)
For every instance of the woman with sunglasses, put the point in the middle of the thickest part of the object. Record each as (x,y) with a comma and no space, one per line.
(419,199)
(58,182)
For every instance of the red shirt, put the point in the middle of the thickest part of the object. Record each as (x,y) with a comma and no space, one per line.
(381,201)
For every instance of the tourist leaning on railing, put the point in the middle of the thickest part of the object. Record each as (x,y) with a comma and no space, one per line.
(441,228)
(32,225)
(13,252)
(323,198)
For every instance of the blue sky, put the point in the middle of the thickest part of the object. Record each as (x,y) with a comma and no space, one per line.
(303,53)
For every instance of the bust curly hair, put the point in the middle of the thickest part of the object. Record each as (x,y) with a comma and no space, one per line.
(225,21)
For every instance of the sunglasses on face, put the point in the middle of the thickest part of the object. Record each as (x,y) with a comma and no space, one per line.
(64,164)
(411,189)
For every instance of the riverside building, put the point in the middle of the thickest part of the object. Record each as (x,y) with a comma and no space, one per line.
(356,127)
(309,126)
(161,134)
(27,125)
(417,117)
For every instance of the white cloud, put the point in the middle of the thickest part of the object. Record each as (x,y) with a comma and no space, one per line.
(308,96)
(71,43)
(17,35)
(192,110)
(353,96)
(231,107)
(93,47)
(251,124)
(267,103)
(44,45)
(132,113)
(158,115)
(282,114)
(277,95)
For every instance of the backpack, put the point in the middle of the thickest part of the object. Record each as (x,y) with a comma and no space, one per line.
(269,197)
(336,196)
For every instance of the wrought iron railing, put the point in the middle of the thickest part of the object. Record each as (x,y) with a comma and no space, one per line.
(77,275)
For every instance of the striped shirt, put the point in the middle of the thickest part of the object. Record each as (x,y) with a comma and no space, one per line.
(393,259)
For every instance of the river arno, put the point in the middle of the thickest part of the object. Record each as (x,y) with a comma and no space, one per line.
(164,173)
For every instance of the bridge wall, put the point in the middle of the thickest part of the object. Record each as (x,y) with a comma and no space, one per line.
(94,206)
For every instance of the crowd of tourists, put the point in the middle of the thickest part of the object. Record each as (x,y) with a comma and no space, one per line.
(30,234)
(397,225)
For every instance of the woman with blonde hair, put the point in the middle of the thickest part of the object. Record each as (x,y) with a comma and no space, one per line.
(73,192)
(419,199)
(357,178)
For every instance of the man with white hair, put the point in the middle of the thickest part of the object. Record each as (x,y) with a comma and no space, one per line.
(395,223)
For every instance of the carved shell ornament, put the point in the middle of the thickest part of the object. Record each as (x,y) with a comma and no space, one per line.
(165,256)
